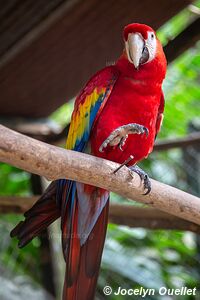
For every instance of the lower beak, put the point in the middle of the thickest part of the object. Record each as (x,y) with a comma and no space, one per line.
(135,45)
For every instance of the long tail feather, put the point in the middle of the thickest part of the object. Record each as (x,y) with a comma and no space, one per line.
(82,255)
(39,217)
(84,285)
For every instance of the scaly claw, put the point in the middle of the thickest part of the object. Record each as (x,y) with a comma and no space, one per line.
(120,135)
(144,177)
(146,131)
(122,142)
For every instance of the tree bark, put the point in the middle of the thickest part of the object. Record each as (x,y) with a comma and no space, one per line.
(54,163)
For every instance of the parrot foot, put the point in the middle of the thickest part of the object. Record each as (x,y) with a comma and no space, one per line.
(120,135)
(144,177)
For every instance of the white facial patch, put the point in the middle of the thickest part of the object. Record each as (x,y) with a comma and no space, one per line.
(136,46)
(151,45)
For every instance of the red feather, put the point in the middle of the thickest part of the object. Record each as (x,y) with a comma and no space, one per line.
(90,258)
(39,217)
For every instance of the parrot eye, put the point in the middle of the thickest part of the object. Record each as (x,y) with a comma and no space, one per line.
(152,36)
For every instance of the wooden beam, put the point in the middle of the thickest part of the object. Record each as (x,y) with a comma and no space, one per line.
(191,139)
(186,39)
(54,163)
(127,215)
(149,218)
(16,204)
(36,17)
(44,130)
(47,71)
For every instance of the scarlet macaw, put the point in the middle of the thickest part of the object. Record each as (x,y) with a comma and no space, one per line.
(117,114)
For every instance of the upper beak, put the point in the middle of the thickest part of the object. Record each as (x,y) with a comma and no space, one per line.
(134,48)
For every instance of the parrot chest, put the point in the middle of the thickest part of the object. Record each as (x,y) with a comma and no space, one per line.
(130,102)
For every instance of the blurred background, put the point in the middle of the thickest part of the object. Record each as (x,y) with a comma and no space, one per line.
(48,50)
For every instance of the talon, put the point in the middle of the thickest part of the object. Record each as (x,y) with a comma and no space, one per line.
(147,184)
(122,142)
(104,145)
(120,147)
(101,149)
(119,136)
(146,131)
(144,177)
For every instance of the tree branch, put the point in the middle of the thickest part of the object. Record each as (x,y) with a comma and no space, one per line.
(54,163)
(127,215)
(16,204)
(148,218)
(191,139)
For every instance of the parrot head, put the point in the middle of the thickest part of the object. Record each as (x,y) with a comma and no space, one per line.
(141,44)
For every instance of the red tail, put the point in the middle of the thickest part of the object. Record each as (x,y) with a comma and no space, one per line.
(39,217)
(82,261)
(81,284)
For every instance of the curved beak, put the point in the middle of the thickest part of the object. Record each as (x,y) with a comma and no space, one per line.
(134,48)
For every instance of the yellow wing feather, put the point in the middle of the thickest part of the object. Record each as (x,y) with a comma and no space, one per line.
(80,120)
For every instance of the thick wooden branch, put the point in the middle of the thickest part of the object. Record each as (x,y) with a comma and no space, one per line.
(54,163)
(127,215)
